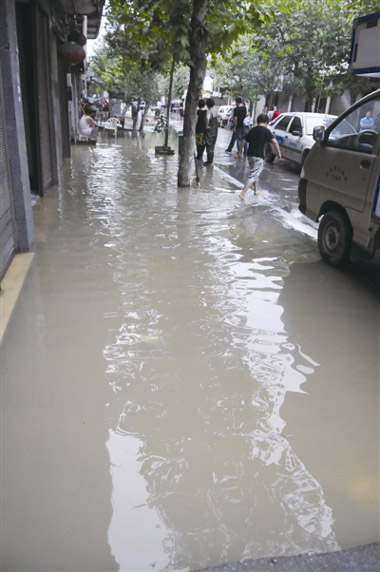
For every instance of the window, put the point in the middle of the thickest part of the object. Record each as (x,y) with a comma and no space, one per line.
(283,124)
(296,125)
(359,130)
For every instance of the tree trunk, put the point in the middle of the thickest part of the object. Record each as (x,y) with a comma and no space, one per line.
(198,44)
(169,102)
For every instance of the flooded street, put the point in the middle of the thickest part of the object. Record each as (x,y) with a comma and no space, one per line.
(184,382)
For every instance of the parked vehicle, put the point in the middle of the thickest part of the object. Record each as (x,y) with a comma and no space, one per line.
(294,133)
(340,182)
(175,104)
(225,112)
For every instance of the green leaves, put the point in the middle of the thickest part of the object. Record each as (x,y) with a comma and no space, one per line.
(146,22)
(310,41)
(304,41)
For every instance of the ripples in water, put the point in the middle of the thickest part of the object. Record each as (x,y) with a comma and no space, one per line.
(200,366)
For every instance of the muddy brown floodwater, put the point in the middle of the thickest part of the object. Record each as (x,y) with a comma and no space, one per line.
(184,382)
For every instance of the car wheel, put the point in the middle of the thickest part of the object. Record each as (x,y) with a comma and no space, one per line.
(334,238)
(268,153)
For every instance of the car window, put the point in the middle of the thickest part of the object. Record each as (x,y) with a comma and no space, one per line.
(276,120)
(283,123)
(296,125)
(359,130)
(317,121)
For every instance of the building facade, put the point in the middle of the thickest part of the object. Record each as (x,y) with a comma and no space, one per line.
(40,85)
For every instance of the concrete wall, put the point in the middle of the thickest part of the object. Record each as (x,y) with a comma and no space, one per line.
(56,97)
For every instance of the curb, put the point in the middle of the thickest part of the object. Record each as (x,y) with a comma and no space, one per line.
(364,558)
(11,287)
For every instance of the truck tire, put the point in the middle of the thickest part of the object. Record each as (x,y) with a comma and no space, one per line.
(268,153)
(334,238)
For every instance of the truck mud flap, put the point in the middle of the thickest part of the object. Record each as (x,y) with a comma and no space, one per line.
(302,195)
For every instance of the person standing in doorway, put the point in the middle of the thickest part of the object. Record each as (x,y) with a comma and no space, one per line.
(211,132)
(256,139)
(200,128)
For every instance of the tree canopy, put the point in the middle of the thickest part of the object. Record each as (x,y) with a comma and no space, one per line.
(302,50)
(311,44)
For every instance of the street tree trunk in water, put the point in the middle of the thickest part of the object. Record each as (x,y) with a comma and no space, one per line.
(169,102)
(198,44)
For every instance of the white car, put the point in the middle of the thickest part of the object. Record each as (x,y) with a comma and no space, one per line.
(294,134)
(225,112)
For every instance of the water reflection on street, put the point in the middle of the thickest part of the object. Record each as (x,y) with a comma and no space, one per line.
(240,374)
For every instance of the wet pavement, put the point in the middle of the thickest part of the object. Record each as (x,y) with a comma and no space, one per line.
(185,383)
(361,559)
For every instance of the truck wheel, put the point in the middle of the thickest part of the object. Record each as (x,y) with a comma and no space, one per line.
(268,153)
(334,238)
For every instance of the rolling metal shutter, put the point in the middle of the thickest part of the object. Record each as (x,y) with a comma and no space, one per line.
(7,231)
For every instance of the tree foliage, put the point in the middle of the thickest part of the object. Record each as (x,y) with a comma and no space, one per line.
(303,49)
(245,75)
(164,26)
(310,43)
(120,65)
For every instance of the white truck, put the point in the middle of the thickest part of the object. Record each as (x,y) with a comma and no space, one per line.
(340,181)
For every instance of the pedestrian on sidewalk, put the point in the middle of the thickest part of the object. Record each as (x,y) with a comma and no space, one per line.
(232,142)
(211,132)
(135,114)
(256,139)
(240,113)
(231,127)
(200,128)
